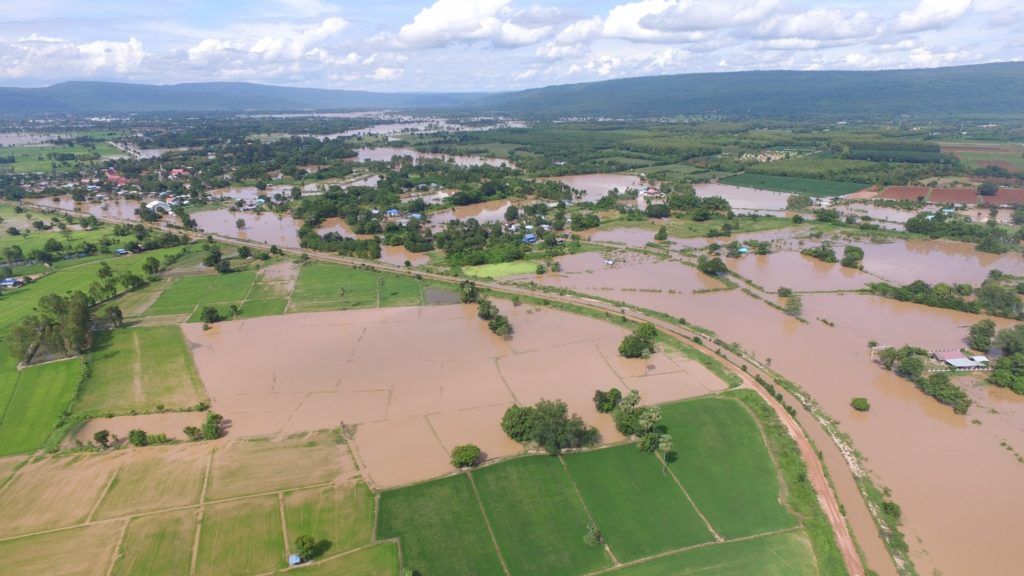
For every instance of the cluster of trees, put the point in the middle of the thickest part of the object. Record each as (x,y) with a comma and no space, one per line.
(62,325)
(211,429)
(640,342)
(853,257)
(992,297)
(548,425)
(137,437)
(496,321)
(825,253)
(712,266)
(468,243)
(633,420)
(368,248)
(1008,370)
(910,363)
(986,237)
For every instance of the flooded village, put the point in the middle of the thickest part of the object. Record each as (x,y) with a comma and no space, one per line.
(417,380)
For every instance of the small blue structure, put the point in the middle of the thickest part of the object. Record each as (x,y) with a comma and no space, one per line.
(743,250)
(416,216)
(121,252)
(392,212)
(294,560)
(530,238)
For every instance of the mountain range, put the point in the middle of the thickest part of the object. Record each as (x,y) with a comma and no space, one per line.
(983,89)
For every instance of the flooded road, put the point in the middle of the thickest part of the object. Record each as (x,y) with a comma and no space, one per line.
(950,475)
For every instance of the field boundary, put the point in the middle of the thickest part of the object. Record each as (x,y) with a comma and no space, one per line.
(607,548)
(487,522)
(717,536)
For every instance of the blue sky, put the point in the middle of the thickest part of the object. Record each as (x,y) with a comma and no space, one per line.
(487,45)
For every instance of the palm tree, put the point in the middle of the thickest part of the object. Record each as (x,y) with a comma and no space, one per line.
(664,447)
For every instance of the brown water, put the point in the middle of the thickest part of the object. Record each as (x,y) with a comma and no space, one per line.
(744,199)
(936,261)
(492,211)
(596,186)
(385,153)
(113,208)
(268,228)
(418,381)
(950,476)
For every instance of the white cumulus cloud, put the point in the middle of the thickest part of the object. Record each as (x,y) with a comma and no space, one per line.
(930,14)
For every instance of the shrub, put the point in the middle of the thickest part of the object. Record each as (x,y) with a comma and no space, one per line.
(785,292)
(305,547)
(593,536)
(193,433)
(860,404)
(102,437)
(516,422)
(605,402)
(639,344)
(138,437)
(209,315)
(465,455)
(211,426)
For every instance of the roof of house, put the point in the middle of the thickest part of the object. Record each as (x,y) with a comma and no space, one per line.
(963,363)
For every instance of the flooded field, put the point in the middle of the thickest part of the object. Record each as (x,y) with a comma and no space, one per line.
(913,444)
(491,211)
(385,153)
(744,199)
(268,227)
(418,381)
(596,186)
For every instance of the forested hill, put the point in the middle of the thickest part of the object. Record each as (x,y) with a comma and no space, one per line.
(986,89)
(111,97)
(979,90)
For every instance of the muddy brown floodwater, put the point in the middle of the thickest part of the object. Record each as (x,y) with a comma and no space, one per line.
(385,153)
(596,186)
(741,198)
(418,381)
(959,488)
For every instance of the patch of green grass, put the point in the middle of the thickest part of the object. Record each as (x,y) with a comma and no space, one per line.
(41,395)
(378,560)
(257,308)
(440,527)
(537,517)
(724,465)
(158,545)
(264,290)
(800,495)
(398,290)
(19,303)
(140,369)
(332,287)
(162,478)
(36,158)
(503,269)
(241,537)
(778,555)
(641,510)
(223,308)
(341,514)
(229,287)
(30,240)
(810,186)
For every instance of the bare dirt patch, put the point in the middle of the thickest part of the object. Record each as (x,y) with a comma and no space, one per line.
(170,423)
(1006,196)
(55,492)
(417,381)
(904,192)
(954,195)
(281,276)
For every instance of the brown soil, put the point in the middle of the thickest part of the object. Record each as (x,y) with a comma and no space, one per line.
(955,195)
(904,192)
